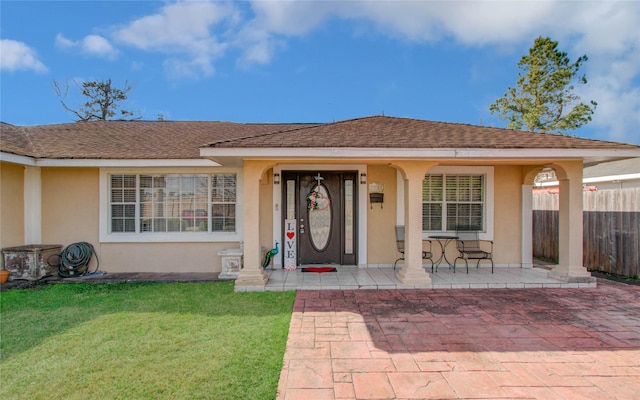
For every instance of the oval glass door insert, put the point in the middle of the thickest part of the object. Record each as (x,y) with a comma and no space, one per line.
(320,218)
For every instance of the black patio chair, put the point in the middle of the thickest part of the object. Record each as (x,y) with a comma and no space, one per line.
(470,247)
(426,254)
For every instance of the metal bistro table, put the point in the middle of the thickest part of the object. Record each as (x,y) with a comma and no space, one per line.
(443,241)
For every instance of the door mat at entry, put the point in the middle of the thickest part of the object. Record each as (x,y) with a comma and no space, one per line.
(319,269)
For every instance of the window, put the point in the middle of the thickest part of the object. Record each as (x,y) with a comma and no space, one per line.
(223,203)
(170,203)
(453,200)
(123,203)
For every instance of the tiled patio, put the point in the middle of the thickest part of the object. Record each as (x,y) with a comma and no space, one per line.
(538,343)
(348,278)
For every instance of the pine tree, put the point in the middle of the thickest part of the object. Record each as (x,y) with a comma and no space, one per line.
(544,99)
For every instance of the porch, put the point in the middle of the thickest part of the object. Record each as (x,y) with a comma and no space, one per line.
(352,277)
(369,237)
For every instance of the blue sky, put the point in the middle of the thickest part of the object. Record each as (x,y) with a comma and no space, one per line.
(313,61)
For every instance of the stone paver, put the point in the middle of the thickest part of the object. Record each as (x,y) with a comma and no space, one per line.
(541,343)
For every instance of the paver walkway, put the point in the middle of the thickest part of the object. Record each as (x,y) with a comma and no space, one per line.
(470,343)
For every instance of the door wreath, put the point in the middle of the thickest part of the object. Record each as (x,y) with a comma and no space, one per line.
(315,198)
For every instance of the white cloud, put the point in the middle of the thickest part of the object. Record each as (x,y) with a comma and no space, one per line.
(618,111)
(420,21)
(93,45)
(179,68)
(185,31)
(294,18)
(98,46)
(179,24)
(15,56)
(63,42)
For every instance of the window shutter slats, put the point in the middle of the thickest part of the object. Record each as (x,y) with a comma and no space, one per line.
(460,199)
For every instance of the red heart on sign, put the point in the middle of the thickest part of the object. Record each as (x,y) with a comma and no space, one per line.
(290,235)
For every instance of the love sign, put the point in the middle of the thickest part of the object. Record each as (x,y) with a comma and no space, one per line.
(289,248)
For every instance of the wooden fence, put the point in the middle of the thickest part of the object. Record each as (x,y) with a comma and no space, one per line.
(611,230)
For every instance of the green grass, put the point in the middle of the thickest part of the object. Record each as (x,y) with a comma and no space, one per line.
(142,341)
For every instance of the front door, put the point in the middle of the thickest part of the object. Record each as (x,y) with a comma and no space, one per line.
(323,205)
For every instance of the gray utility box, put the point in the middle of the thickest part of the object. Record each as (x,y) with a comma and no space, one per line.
(30,261)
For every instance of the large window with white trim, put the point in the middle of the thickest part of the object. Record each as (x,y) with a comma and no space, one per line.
(172,203)
(450,201)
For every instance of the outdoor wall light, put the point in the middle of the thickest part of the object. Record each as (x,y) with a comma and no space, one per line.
(276,179)
(363,178)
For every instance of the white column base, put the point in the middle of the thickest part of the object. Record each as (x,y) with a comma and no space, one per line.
(252,277)
(414,277)
(571,274)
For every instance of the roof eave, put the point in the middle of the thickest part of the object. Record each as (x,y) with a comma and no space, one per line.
(128,163)
(17,159)
(106,163)
(589,156)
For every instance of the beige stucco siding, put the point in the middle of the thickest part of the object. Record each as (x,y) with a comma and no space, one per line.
(11,205)
(507,215)
(162,257)
(70,201)
(381,218)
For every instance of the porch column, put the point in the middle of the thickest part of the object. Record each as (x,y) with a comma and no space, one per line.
(252,276)
(32,205)
(527,227)
(412,273)
(570,268)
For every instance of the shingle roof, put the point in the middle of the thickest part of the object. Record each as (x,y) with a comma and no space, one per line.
(391,132)
(14,141)
(125,139)
(183,139)
(621,167)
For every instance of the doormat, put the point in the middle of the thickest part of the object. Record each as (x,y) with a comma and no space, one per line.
(319,269)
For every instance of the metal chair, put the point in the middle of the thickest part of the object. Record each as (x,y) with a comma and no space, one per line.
(426,254)
(470,247)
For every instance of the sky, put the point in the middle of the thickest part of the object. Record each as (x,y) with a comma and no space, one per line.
(312,61)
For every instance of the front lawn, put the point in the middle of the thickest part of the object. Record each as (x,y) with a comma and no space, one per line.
(142,341)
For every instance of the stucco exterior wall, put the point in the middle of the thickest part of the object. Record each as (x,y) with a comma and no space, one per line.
(507,242)
(381,218)
(11,205)
(161,257)
(70,200)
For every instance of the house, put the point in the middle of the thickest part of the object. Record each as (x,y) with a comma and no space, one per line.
(160,196)
(621,174)
(613,175)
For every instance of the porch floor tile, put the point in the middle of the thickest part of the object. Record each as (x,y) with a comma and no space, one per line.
(352,277)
